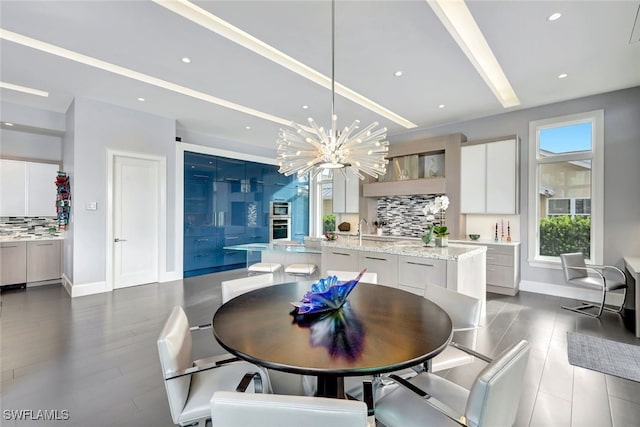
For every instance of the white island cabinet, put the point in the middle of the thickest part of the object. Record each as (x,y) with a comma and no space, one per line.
(409,265)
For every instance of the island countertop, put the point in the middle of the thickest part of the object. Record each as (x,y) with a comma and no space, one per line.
(453,252)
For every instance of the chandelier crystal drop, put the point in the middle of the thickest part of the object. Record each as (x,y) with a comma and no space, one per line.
(310,150)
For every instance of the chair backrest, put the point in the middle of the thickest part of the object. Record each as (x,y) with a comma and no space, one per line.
(575,259)
(464,310)
(495,394)
(174,348)
(232,409)
(348,275)
(236,287)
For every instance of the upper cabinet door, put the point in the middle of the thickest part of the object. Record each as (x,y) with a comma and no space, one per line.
(346,192)
(473,185)
(41,196)
(502,177)
(13,184)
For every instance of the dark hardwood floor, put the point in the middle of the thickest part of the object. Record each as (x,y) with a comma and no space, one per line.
(96,356)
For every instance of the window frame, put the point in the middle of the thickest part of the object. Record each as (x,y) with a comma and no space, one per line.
(596,155)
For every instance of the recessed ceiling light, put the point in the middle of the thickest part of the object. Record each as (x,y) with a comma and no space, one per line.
(141,99)
(247,127)
(304,107)
(24,89)
(397,73)
(186,60)
(441,106)
(223,28)
(563,76)
(554,16)
(8,124)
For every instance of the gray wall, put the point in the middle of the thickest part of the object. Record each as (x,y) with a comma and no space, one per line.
(30,145)
(621,167)
(98,127)
(68,147)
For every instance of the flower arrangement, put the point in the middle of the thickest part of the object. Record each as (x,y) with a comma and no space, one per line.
(438,206)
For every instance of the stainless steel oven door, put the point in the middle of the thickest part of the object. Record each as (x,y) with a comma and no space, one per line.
(280,209)
(279,228)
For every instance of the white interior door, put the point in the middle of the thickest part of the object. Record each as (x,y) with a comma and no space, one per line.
(135,221)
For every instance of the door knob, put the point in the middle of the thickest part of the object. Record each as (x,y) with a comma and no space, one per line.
(119,240)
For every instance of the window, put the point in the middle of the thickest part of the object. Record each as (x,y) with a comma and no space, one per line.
(322,216)
(565,183)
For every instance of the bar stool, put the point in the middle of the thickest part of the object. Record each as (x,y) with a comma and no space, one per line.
(265,267)
(306,270)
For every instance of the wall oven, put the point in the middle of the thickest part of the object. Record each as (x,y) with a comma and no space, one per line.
(279,209)
(279,221)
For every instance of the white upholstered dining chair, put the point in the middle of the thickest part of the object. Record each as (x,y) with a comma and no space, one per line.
(229,409)
(235,287)
(190,384)
(430,400)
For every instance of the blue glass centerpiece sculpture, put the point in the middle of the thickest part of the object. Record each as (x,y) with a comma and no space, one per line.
(326,294)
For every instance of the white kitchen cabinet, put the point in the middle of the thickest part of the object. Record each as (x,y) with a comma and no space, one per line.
(489,177)
(384,265)
(13,263)
(44,260)
(13,184)
(415,272)
(503,272)
(346,192)
(41,192)
(339,259)
(27,188)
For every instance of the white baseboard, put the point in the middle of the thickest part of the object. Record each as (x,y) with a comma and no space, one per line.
(565,291)
(67,283)
(86,289)
(169,276)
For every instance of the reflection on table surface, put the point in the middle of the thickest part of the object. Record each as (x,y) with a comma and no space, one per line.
(339,331)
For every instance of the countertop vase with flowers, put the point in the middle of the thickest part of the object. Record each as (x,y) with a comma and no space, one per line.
(438,205)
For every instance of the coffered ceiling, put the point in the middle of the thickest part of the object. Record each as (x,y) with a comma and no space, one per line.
(119,51)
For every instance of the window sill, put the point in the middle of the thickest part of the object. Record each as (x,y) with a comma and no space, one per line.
(548,264)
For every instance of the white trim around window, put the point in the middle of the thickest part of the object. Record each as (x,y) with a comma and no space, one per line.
(597,183)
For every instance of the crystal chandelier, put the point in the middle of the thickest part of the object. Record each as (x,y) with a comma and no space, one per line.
(310,150)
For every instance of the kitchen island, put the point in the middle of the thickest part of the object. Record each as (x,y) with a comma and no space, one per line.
(409,264)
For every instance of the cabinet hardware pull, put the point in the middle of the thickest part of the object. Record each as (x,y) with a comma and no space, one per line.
(200,176)
(232,179)
(44,244)
(116,240)
(419,263)
(231,238)
(13,246)
(338,253)
(377,259)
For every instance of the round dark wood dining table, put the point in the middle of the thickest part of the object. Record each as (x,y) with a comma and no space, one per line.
(379,329)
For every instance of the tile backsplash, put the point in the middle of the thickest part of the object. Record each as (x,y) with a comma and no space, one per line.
(403,215)
(26,226)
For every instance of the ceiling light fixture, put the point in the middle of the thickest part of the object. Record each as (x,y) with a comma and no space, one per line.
(186,60)
(141,99)
(302,152)
(8,124)
(247,127)
(305,107)
(554,16)
(441,106)
(457,19)
(397,73)
(223,28)
(563,76)
(24,89)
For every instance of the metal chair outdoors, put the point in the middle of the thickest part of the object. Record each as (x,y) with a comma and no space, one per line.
(190,384)
(429,400)
(603,278)
(230,409)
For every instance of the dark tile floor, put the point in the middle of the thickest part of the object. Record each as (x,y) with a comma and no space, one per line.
(96,356)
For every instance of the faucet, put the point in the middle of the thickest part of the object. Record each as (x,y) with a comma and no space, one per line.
(360,231)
